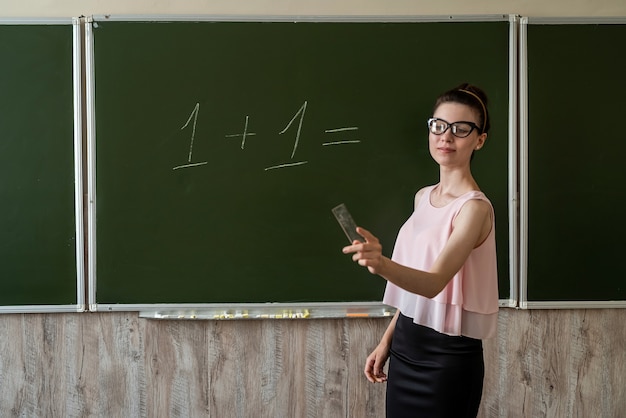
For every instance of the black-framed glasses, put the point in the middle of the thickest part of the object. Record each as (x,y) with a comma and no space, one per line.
(459,129)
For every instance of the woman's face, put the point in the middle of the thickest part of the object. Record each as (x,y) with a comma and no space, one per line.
(446,148)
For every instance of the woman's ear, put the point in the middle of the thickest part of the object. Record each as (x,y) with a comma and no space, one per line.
(481,141)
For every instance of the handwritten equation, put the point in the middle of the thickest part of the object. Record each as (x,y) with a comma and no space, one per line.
(299,116)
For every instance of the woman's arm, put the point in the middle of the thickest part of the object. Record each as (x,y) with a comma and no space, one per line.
(470,229)
(375,362)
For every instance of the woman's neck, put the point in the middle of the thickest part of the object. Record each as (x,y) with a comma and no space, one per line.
(454,183)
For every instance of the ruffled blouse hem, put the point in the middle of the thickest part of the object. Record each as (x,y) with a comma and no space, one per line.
(450,319)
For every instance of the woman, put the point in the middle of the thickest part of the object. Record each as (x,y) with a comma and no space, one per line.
(442,277)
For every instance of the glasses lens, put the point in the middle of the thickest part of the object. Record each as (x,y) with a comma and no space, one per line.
(437,126)
(461,129)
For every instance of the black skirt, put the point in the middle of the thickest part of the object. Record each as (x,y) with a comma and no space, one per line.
(433,375)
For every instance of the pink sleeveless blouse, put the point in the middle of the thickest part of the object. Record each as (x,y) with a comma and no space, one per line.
(468,305)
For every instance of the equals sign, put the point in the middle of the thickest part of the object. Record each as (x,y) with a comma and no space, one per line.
(342,142)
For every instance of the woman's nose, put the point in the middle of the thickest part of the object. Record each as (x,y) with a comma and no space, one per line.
(446,136)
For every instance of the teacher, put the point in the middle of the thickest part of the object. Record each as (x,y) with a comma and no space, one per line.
(442,276)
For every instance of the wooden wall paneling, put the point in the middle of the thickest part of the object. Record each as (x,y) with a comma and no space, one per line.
(292,368)
(35,376)
(556,363)
(364,399)
(544,363)
(176,375)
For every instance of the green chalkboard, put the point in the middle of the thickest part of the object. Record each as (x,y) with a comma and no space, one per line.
(576,175)
(221,148)
(37,186)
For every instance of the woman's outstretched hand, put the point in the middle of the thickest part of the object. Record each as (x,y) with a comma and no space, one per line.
(367,254)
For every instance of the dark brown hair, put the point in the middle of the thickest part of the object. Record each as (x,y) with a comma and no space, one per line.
(471,96)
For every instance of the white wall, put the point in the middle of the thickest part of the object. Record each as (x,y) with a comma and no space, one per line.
(72,8)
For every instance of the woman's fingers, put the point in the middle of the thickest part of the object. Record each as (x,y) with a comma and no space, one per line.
(369,237)
(366,254)
(374,369)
